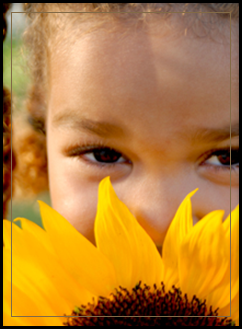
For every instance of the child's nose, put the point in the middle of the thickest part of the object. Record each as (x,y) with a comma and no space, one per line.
(154,205)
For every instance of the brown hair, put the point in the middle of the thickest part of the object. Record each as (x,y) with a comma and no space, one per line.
(31,173)
(6,132)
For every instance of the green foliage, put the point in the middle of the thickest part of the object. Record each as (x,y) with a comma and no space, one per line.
(20,82)
(28,209)
(20,77)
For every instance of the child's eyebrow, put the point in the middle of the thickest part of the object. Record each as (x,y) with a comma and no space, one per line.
(101,128)
(106,129)
(214,134)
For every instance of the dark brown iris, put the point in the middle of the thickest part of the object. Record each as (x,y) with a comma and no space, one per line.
(140,307)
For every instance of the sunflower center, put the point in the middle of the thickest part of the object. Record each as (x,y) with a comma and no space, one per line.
(145,306)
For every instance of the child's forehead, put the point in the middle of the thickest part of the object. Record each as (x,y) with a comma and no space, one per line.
(132,34)
(114,44)
(139,72)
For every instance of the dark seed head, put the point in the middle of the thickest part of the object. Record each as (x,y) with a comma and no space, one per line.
(143,307)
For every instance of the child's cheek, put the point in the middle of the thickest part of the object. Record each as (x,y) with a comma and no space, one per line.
(74,198)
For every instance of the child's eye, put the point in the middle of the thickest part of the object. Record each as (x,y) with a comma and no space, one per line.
(104,155)
(98,154)
(222,158)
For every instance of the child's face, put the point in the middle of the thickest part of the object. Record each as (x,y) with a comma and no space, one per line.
(163,105)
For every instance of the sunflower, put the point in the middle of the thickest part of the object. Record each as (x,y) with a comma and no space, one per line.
(60,278)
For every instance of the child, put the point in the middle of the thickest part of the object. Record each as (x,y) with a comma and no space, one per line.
(141,97)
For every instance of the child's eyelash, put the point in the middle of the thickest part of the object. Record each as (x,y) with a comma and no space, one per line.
(85,148)
(220,153)
(80,150)
(103,155)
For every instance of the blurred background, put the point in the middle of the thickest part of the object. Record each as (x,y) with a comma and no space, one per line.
(20,207)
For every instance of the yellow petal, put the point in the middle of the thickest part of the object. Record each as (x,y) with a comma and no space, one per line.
(7,234)
(79,257)
(30,229)
(234,241)
(180,226)
(124,242)
(225,311)
(42,271)
(220,297)
(26,300)
(14,321)
(203,258)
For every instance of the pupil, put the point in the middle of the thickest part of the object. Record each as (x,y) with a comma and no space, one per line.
(106,155)
(225,157)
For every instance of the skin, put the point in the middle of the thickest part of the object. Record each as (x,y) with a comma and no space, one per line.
(159,92)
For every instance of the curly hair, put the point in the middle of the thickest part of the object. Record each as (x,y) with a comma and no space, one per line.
(6,132)
(45,24)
